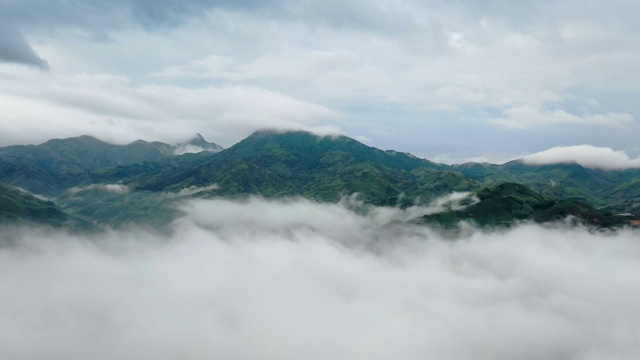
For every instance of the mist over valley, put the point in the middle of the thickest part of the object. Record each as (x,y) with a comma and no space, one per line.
(388,179)
(272,279)
(291,244)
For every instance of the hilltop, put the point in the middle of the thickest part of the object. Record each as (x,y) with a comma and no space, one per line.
(143,182)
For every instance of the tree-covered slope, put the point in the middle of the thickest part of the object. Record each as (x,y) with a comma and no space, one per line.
(571,181)
(19,207)
(59,164)
(507,203)
(325,168)
(81,174)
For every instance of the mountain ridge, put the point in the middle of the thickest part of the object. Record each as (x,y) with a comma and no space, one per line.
(58,164)
(318,167)
(276,164)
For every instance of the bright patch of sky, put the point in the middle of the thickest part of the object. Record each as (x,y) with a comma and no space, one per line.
(448,80)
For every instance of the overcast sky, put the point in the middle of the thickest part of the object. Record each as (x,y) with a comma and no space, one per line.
(446,80)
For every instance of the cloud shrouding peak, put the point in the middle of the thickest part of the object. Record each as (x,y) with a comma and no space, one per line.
(38,107)
(585,155)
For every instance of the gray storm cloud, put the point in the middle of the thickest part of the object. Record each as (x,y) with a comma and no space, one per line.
(14,48)
(298,280)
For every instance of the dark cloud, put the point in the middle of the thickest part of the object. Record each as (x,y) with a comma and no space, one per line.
(91,14)
(15,49)
(98,18)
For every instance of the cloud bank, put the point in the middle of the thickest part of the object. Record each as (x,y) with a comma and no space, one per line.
(111,109)
(585,155)
(545,72)
(299,280)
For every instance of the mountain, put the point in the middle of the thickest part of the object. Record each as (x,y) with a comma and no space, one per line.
(114,206)
(508,203)
(596,187)
(57,165)
(195,145)
(17,206)
(276,164)
(141,182)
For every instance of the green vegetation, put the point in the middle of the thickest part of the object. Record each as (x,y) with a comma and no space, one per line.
(53,167)
(596,187)
(275,164)
(93,182)
(508,203)
(17,206)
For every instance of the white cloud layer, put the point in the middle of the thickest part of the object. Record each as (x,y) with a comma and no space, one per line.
(305,281)
(586,155)
(189,149)
(112,188)
(38,107)
(162,71)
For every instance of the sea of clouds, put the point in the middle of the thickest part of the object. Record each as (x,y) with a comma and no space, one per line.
(294,279)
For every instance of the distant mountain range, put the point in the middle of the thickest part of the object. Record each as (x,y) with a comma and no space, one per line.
(506,203)
(55,166)
(93,182)
(597,187)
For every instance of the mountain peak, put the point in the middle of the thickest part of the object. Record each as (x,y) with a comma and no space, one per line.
(198,140)
(82,139)
(197,144)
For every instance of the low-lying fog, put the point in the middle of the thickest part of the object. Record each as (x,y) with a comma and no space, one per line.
(298,280)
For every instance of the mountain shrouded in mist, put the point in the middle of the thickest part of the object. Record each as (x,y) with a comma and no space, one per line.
(290,244)
(144,182)
(444,180)
(324,168)
(502,204)
(57,165)
(195,145)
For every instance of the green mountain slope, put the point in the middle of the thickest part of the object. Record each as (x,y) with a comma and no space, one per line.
(117,209)
(19,207)
(57,165)
(507,203)
(559,180)
(274,164)
(141,182)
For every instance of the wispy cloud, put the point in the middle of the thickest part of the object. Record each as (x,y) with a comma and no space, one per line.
(111,108)
(529,117)
(112,188)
